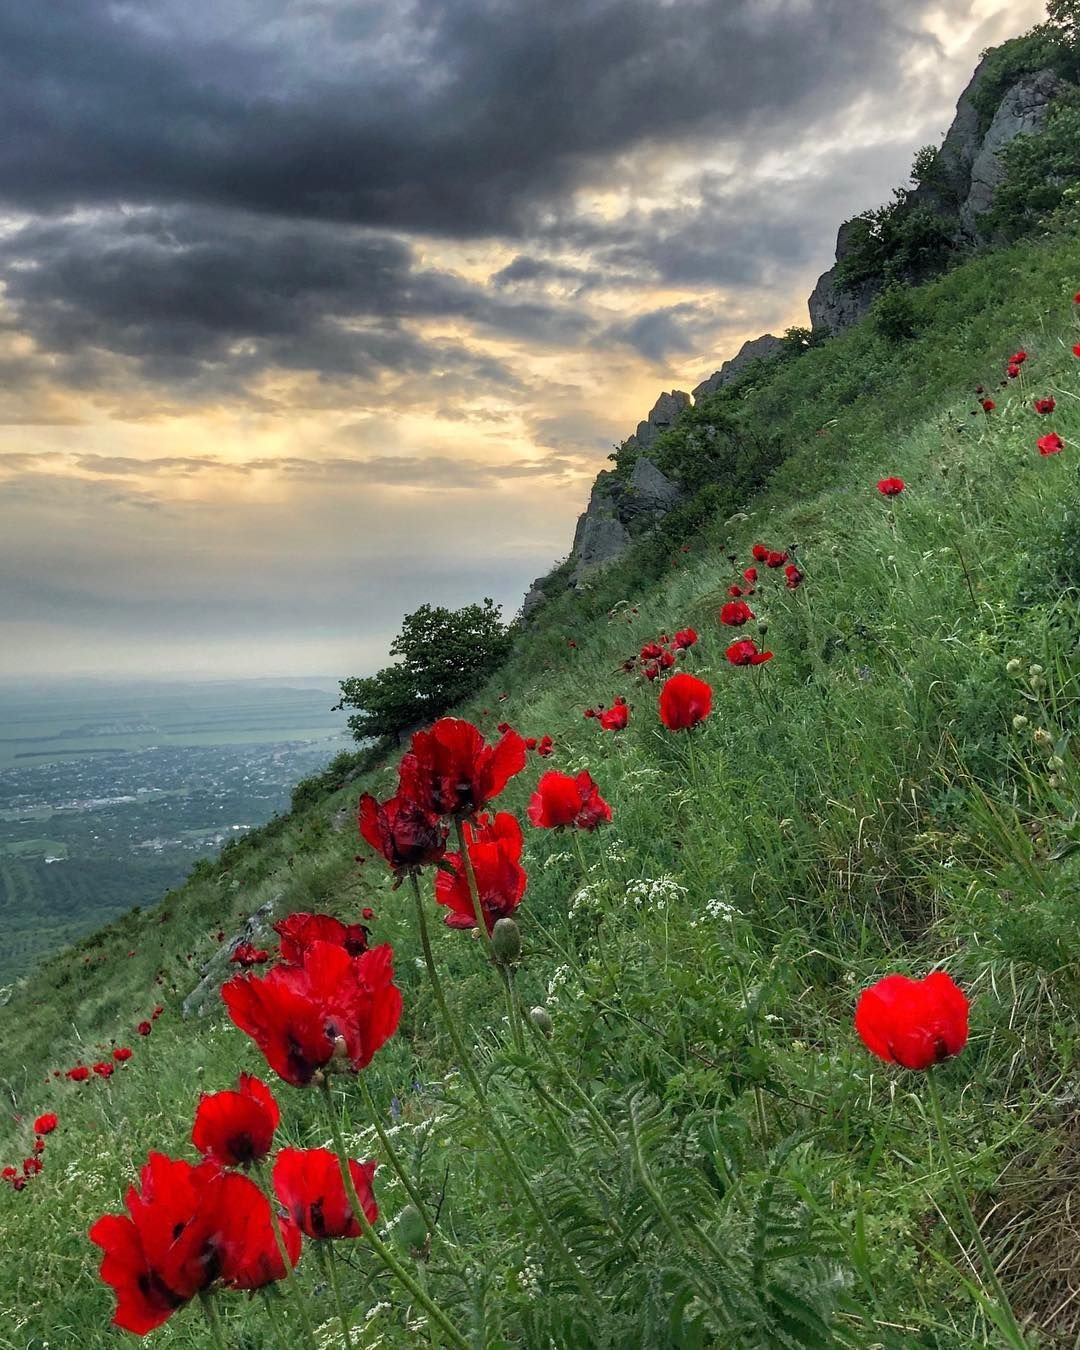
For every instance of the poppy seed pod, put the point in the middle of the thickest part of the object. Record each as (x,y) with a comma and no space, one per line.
(541,1020)
(506,942)
(763,626)
(1019,722)
(1011,667)
(410,1230)
(1043,738)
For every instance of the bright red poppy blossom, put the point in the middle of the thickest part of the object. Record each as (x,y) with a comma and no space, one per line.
(890,487)
(309,1184)
(47,1123)
(915,1023)
(793,578)
(616,717)
(561,800)
(79,1074)
(367,913)
(776,559)
(545,747)
(32,1166)
(189,1228)
(735,613)
(298,931)
(104,1068)
(39,1146)
(751,574)
(237,1128)
(452,771)
(121,1053)
(144,1028)
(1044,405)
(651,672)
(987,404)
(736,591)
(1012,370)
(247,954)
(745,653)
(1018,358)
(667,660)
(650,651)
(1051,444)
(407,836)
(759,552)
(495,846)
(9,1173)
(296,1013)
(157,1012)
(684,702)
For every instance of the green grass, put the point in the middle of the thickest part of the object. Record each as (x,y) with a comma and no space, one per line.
(863,804)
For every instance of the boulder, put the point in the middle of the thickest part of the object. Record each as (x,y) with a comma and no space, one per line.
(664,415)
(205,995)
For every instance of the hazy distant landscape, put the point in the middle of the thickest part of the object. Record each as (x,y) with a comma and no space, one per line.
(110,792)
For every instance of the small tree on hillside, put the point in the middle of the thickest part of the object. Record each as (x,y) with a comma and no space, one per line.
(443,655)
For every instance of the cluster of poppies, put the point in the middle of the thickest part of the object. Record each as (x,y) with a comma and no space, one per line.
(191,1228)
(660,655)
(615,718)
(32,1165)
(1051,443)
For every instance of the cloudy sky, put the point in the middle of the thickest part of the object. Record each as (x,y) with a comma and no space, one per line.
(313,311)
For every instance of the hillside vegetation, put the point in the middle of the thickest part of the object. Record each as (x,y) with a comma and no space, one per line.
(705,1153)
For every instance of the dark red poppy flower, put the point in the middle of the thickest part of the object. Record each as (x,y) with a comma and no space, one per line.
(1012,370)
(19,1183)
(237,1128)
(408,836)
(650,651)
(502,727)
(545,747)
(157,1012)
(751,573)
(745,653)
(104,1068)
(79,1074)
(530,742)
(494,846)
(759,552)
(1018,358)
(915,1023)
(1076,298)
(987,404)
(735,613)
(298,931)
(451,771)
(121,1053)
(667,660)
(890,487)
(978,389)
(561,799)
(309,1184)
(295,1013)
(144,1028)
(1051,444)
(735,591)
(1044,405)
(589,712)
(616,717)
(367,912)
(189,1229)
(39,1146)
(32,1166)
(47,1123)
(685,638)
(684,702)
(247,954)
(651,671)
(793,578)
(776,559)
(9,1173)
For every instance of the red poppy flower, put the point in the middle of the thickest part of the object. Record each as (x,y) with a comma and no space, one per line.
(735,591)
(1076,350)
(745,653)
(561,800)
(295,1013)
(47,1123)
(367,912)
(685,638)
(793,578)
(684,702)
(32,1166)
(309,1184)
(79,1074)
(121,1053)
(1044,405)
(1012,371)
(759,552)
(987,404)
(451,771)
(19,1183)
(530,742)
(915,1023)
(667,660)
(9,1173)
(751,573)
(143,1028)
(39,1145)
(735,613)
(1076,298)
(1050,445)
(298,931)
(406,835)
(589,712)
(104,1069)
(237,1128)
(890,487)
(502,727)
(776,559)
(246,954)
(495,852)
(189,1228)
(545,747)
(616,717)
(650,672)
(650,651)
(1018,358)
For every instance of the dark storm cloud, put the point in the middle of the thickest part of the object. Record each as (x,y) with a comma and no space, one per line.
(451,116)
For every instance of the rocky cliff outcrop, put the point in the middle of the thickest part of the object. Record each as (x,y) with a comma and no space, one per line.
(1022,111)
(763,348)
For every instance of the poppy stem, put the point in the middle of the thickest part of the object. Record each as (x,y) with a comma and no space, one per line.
(555,1238)
(275,1322)
(293,1285)
(394,1159)
(1008,1323)
(575,1087)
(213,1321)
(380,1248)
(326,1252)
(512,1009)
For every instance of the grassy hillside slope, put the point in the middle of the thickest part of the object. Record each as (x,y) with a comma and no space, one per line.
(887,794)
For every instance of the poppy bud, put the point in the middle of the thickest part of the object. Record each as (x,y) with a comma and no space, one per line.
(1055,782)
(506,942)
(1043,737)
(763,626)
(1011,667)
(1019,722)
(1035,671)
(410,1230)
(1056,762)
(541,1020)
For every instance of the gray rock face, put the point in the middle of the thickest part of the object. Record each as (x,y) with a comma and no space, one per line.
(663,417)
(958,151)
(217,970)
(763,348)
(601,538)
(534,598)
(1022,111)
(650,492)
(834,307)
(618,510)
